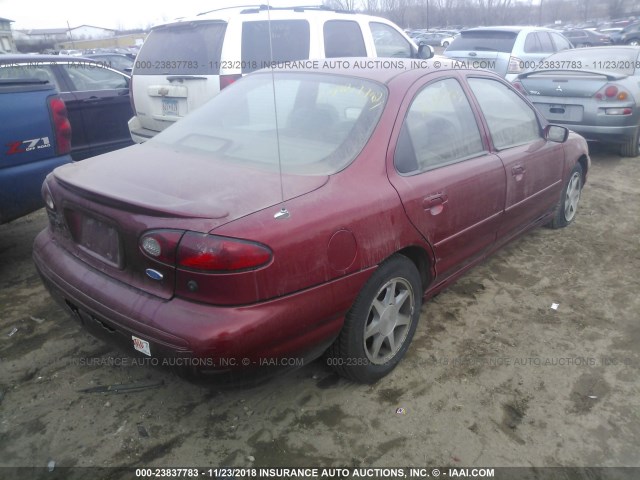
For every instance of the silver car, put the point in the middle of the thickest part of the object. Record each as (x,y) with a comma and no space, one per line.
(593,91)
(508,51)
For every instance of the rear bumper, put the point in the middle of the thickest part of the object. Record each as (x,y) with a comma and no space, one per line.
(288,331)
(20,186)
(139,134)
(603,134)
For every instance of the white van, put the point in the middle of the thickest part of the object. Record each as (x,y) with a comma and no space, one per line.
(185,63)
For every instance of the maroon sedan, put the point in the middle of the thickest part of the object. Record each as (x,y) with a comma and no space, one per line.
(303,212)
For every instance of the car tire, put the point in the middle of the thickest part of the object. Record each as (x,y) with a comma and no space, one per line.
(632,147)
(634,42)
(445,44)
(378,330)
(567,207)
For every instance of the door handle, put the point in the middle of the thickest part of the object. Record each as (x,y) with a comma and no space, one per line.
(518,170)
(434,204)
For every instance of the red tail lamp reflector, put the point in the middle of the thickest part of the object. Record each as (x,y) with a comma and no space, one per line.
(212,253)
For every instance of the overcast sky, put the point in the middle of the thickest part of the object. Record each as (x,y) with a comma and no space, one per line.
(114,14)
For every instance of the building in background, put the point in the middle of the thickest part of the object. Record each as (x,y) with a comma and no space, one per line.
(7,45)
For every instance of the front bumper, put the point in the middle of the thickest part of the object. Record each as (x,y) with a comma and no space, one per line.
(288,330)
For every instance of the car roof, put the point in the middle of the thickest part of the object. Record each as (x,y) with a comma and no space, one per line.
(260,12)
(21,58)
(514,29)
(382,70)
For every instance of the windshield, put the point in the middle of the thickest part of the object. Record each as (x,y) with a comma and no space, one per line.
(323,121)
(484,40)
(606,59)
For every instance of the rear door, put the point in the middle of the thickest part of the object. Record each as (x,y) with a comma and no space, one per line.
(452,188)
(176,71)
(101,95)
(533,165)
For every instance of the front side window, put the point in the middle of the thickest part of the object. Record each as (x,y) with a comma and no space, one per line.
(289,41)
(343,38)
(389,42)
(439,129)
(538,42)
(561,42)
(316,125)
(511,121)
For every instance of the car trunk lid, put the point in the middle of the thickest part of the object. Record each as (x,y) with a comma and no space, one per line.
(110,201)
(570,84)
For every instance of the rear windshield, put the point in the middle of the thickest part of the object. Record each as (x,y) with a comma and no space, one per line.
(192,48)
(608,59)
(289,40)
(323,121)
(484,40)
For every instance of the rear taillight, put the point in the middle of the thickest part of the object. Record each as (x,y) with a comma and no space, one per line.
(61,125)
(226,80)
(515,65)
(612,92)
(518,86)
(161,245)
(212,253)
(203,252)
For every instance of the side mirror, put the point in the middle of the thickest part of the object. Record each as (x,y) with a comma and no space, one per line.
(425,51)
(556,133)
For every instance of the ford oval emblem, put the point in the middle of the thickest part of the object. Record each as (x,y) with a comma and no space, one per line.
(154,274)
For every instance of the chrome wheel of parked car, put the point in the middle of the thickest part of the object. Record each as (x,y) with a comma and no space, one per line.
(389,320)
(570,199)
(381,323)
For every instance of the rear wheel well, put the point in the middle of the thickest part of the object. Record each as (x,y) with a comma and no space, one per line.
(584,163)
(421,260)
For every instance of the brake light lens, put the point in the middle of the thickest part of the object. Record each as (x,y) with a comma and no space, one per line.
(213,253)
(515,65)
(518,86)
(226,80)
(61,125)
(161,245)
(612,92)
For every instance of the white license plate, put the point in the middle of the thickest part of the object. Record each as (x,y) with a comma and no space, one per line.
(141,345)
(169,106)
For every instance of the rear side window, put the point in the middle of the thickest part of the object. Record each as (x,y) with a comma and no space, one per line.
(484,40)
(511,121)
(561,42)
(538,42)
(32,71)
(439,129)
(289,40)
(190,49)
(389,42)
(343,39)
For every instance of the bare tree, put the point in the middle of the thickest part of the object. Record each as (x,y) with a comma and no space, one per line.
(349,5)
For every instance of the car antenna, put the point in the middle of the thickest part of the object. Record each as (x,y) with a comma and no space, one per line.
(283,213)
